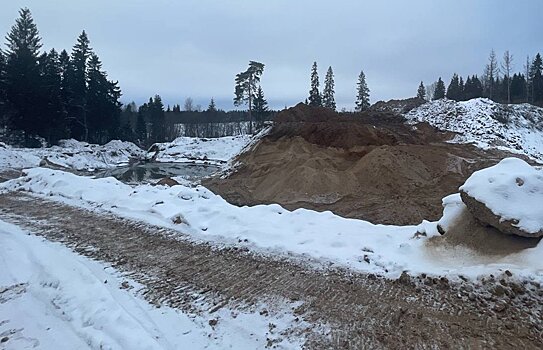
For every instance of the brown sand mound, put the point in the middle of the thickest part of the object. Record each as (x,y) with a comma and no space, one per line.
(372,167)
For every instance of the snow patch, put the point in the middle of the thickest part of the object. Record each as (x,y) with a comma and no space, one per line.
(514,128)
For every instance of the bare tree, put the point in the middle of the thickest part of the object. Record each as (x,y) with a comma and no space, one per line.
(430,89)
(507,67)
(491,73)
(189,104)
(527,68)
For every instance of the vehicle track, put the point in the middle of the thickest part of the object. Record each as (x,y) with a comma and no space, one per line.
(360,310)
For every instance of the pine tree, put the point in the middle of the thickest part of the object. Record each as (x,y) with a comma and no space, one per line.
(315,99)
(246,85)
(328,99)
(212,108)
(260,106)
(439,92)
(363,94)
(421,92)
(22,74)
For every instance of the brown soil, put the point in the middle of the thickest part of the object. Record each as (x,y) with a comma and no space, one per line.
(361,311)
(372,166)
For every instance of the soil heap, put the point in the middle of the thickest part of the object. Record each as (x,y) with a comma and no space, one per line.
(370,166)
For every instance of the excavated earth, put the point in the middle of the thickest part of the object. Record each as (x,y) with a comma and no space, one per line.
(370,166)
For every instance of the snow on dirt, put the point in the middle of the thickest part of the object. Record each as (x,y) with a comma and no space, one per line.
(52,298)
(514,128)
(72,154)
(185,149)
(302,234)
(513,190)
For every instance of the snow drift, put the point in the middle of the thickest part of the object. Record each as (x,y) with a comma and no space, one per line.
(270,229)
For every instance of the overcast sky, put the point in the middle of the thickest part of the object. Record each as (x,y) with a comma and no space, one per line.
(196,47)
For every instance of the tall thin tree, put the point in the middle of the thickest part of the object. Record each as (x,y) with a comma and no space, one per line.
(246,86)
(362,102)
(507,68)
(328,99)
(421,91)
(315,98)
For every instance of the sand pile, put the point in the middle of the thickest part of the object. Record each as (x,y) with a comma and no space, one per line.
(372,166)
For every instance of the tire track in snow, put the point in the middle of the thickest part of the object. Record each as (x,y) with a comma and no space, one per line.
(361,311)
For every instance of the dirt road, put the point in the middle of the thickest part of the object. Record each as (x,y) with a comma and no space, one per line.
(361,311)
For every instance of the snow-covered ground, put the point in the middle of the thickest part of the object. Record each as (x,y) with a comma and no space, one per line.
(515,128)
(185,149)
(270,229)
(52,298)
(71,154)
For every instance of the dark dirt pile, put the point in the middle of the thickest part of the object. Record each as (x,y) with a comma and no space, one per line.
(369,166)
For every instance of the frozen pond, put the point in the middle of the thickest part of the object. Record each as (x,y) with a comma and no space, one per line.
(150,172)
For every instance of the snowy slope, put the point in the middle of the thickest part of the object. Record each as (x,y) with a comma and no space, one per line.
(71,154)
(270,229)
(515,128)
(184,149)
(52,298)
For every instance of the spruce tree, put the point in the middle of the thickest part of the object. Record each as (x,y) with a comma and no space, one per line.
(212,108)
(328,99)
(52,106)
(22,74)
(421,92)
(141,128)
(439,92)
(536,79)
(77,82)
(362,102)
(260,104)
(157,118)
(103,106)
(314,94)
(454,92)
(3,98)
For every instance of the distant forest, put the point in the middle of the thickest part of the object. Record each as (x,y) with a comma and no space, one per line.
(49,96)
(497,83)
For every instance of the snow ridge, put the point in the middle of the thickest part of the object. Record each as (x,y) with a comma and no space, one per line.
(514,128)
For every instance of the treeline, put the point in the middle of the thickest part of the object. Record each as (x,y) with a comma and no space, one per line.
(55,95)
(497,83)
(152,122)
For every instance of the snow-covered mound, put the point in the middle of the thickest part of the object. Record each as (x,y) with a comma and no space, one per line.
(513,191)
(271,229)
(72,154)
(515,128)
(184,149)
